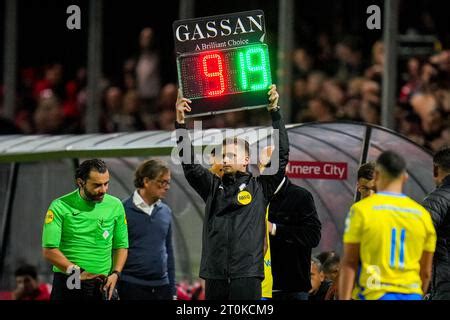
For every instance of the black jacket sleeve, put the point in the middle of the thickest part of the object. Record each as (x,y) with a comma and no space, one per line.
(171,261)
(270,183)
(307,229)
(199,177)
(437,204)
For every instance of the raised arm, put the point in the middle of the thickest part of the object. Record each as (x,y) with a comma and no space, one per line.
(198,176)
(271,182)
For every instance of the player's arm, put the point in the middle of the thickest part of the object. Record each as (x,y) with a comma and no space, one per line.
(426,263)
(271,182)
(120,250)
(429,247)
(349,267)
(57,258)
(51,239)
(198,176)
(119,258)
(350,260)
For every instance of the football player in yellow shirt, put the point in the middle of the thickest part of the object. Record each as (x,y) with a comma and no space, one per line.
(389,240)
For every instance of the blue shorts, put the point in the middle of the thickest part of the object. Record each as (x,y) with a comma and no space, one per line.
(401,296)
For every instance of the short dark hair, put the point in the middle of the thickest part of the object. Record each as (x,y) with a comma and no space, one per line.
(442,158)
(26,270)
(237,141)
(87,166)
(151,169)
(325,255)
(366,171)
(392,163)
(329,263)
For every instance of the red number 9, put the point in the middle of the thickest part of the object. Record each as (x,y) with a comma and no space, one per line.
(215,79)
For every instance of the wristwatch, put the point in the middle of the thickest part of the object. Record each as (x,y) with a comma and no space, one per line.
(274,109)
(118,273)
(71,268)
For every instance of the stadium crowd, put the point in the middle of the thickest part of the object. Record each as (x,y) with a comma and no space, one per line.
(332,80)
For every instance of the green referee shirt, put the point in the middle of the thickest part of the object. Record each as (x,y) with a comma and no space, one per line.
(86,231)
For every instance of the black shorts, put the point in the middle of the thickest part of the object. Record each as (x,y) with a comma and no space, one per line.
(132,291)
(233,289)
(89,289)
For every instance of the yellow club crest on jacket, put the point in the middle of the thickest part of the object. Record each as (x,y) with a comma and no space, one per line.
(244,197)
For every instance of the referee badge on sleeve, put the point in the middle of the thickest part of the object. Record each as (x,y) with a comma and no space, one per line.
(49,216)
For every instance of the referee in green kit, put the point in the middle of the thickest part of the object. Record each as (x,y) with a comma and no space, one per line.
(85,233)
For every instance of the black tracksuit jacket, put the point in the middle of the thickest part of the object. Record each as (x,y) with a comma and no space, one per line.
(233,233)
(298,228)
(438,204)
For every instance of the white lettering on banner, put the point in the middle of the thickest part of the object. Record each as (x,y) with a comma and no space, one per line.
(185,34)
(303,169)
(213,29)
(330,169)
(317,170)
(249,24)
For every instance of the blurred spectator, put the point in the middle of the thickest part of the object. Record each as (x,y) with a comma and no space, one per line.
(188,291)
(324,256)
(300,97)
(349,58)
(148,70)
(48,117)
(321,110)
(28,286)
(442,60)
(325,58)
(303,62)
(53,80)
(166,116)
(166,120)
(129,118)
(75,100)
(375,71)
(334,92)
(412,79)
(331,268)
(370,91)
(329,66)
(370,112)
(319,285)
(113,103)
(167,97)
(314,83)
